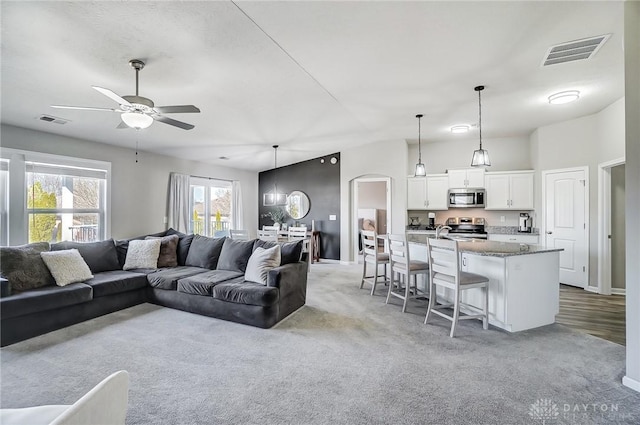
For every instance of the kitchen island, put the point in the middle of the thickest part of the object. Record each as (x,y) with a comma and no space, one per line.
(523,280)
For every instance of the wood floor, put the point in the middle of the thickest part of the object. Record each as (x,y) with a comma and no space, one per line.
(599,315)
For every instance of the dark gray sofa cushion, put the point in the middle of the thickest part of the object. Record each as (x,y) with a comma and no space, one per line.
(235,255)
(168,278)
(243,292)
(115,282)
(42,299)
(204,252)
(202,283)
(290,252)
(100,256)
(184,243)
(23,267)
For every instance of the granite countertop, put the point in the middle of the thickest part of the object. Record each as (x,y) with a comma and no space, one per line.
(510,230)
(489,248)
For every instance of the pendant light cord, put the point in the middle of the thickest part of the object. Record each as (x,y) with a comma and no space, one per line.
(419,141)
(480,115)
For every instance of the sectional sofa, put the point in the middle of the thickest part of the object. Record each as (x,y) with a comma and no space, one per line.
(205,276)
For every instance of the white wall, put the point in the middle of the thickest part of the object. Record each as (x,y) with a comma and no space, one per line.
(382,159)
(506,154)
(372,195)
(138,190)
(585,141)
(632,155)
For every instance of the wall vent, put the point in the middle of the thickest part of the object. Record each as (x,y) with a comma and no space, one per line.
(52,119)
(574,50)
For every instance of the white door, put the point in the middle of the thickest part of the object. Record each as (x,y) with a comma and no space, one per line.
(497,187)
(475,177)
(522,191)
(437,188)
(565,221)
(457,178)
(416,193)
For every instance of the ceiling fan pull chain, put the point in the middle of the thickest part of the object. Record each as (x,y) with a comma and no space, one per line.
(136,151)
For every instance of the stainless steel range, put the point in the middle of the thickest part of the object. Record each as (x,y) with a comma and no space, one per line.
(466,228)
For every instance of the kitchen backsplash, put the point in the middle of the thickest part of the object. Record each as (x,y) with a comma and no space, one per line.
(492,218)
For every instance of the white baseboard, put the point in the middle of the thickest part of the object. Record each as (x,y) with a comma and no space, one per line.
(347,263)
(631,383)
(591,289)
(618,291)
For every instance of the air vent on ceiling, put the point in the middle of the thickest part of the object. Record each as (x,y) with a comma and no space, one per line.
(574,50)
(52,119)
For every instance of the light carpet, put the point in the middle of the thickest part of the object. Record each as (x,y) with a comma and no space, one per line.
(344,358)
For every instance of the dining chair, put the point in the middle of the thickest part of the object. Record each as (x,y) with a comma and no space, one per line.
(275,227)
(239,234)
(295,233)
(444,266)
(371,255)
(402,266)
(268,235)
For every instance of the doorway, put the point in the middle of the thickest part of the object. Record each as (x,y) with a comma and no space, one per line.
(611,227)
(371,202)
(565,197)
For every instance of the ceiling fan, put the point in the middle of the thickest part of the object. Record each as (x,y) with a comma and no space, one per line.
(136,111)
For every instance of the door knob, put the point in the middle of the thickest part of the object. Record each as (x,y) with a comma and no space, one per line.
(549,233)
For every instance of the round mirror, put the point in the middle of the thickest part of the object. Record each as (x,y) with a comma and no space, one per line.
(297,204)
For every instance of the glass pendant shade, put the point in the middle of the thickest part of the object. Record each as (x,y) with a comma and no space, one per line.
(273,198)
(136,120)
(421,171)
(480,157)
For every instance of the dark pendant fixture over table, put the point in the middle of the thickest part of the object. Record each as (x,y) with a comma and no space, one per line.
(273,197)
(421,171)
(480,156)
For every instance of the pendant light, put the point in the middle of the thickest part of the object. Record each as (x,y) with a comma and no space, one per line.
(480,156)
(273,197)
(420,169)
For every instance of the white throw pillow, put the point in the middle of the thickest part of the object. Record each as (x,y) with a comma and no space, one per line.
(66,266)
(142,254)
(261,261)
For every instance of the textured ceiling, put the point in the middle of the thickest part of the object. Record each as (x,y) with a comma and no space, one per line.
(313,77)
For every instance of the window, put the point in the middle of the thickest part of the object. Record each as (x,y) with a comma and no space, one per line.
(51,198)
(210,202)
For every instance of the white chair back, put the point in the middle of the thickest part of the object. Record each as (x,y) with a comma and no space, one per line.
(275,227)
(241,235)
(444,262)
(296,233)
(268,235)
(398,251)
(369,244)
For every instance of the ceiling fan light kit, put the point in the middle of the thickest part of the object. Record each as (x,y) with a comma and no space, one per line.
(139,112)
(480,156)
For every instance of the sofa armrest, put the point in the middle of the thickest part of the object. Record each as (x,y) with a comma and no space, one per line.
(289,278)
(5,287)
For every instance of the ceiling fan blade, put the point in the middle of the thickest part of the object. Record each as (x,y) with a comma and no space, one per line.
(111,95)
(173,122)
(85,108)
(176,109)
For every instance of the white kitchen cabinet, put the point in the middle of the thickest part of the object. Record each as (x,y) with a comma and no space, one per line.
(416,193)
(509,190)
(437,191)
(519,238)
(468,177)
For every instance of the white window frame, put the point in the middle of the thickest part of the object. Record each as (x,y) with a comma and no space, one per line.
(208,183)
(18,213)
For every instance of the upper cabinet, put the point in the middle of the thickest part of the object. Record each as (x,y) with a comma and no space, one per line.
(509,190)
(470,177)
(416,193)
(427,193)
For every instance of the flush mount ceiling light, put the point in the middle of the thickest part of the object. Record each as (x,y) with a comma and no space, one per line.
(564,97)
(459,129)
(480,156)
(420,169)
(272,197)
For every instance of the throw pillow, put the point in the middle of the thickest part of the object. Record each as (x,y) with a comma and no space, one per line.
(261,261)
(168,250)
(142,254)
(290,252)
(183,245)
(67,266)
(234,255)
(204,252)
(23,267)
(100,256)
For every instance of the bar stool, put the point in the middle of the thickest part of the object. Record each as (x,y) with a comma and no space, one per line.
(371,255)
(401,264)
(444,264)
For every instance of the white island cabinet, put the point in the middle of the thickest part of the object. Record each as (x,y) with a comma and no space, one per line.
(523,281)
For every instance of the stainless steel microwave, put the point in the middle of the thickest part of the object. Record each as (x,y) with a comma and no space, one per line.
(466,198)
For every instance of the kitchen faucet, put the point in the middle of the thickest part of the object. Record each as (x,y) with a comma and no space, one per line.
(440,228)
